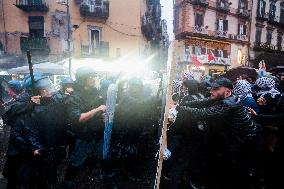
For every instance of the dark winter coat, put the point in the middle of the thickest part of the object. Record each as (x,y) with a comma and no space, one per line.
(227,118)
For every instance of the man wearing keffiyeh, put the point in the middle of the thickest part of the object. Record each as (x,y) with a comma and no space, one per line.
(243,90)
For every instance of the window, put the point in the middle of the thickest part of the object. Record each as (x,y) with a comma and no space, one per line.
(261,8)
(243,4)
(186,52)
(222,25)
(242,29)
(279,41)
(94,38)
(272,9)
(196,50)
(268,37)
(36,26)
(258,35)
(198,19)
(282,12)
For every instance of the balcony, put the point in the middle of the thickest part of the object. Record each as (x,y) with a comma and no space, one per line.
(34,44)
(32,5)
(262,17)
(202,3)
(258,46)
(201,30)
(220,33)
(242,37)
(244,14)
(92,11)
(147,26)
(223,6)
(95,52)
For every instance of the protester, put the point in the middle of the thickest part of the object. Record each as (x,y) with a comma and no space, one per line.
(233,135)
(243,89)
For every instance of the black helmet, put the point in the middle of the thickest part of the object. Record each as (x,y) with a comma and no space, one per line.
(66,81)
(84,72)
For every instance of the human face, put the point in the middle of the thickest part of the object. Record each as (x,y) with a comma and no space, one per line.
(220,93)
(68,89)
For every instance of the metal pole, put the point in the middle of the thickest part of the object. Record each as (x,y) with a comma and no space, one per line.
(69,38)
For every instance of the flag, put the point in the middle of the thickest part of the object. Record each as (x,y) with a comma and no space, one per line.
(210,57)
(195,61)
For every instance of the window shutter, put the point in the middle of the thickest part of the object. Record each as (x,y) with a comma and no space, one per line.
(239,29)
(263,8)
(196,19)
(217,25)
(225,25)
(203,51)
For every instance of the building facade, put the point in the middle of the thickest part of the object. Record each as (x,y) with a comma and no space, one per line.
(267,33)
(213,35)
(106,29)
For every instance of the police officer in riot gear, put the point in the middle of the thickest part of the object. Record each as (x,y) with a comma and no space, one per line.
(67,85)
(85,108)
(36,143)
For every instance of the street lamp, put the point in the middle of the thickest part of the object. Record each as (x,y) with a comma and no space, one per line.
(66,3)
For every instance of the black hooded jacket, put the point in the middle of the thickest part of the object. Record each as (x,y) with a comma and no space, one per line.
(227,119)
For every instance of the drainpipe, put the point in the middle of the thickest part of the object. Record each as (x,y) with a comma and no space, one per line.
(250,33)
(69,38)
(4,23)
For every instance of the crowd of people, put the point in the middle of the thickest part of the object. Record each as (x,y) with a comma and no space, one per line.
(227,135)
(49,126)
(230,137)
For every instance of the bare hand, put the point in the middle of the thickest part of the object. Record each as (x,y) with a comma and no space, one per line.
(101,108)
(36,99)
(252,112)
(37,153)
(261,101)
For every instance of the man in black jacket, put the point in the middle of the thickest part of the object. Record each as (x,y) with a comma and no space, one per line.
(232,135)
(85,108)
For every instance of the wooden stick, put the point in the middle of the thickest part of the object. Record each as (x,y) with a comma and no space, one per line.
(171,68)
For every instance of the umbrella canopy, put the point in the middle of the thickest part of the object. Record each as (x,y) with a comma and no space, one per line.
(235,73)
(45,68)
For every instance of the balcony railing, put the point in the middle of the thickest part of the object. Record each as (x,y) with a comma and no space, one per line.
(262,17)
(200,29)
(258,46)
(243,13)
(91,51)
(99,12)
(34,44)
(223,6)
(242,37)
(220,33)
(32,5)
(202,3)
